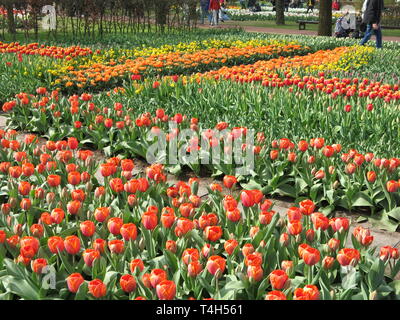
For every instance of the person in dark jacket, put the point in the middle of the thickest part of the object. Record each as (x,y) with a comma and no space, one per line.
(204,4)
(372,18)
(310,5)
(287,3)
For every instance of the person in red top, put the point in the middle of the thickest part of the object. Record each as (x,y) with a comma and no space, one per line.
(214,8)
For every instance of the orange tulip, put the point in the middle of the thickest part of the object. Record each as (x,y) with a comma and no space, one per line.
(278,279)
(275,295)
(127,283)
(74,281)
(216,265)
(166,290)
(97,288)
(72,244)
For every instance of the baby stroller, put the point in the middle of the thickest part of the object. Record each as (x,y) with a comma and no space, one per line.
(342,27)
(357,33)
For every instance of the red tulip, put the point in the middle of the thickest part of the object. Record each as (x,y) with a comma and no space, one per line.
(189,255)
(339,224)
(309,292)
(55,244)
(294,214)
(87,228)
(328,262)
(392,186)
(294,228)
(247,198)
(216,265)
(99,245)
(97,288)
(183,226)
(230,245)
(194,268)
(89,256)
(136,263)
(307,207)
(363,236)
(278,279)
(166,290)
(74,281)
(320,221)
(114,225)
(311,256)
(213,233)
(72,244)
(247,249)
(129,231)
(229,181)
(53,180)
(116,246)
(149,220)
(127,283)
(74,178)
(333,244)
(255,272)
(275,295)
(347,255)
(101,214)
(170,245)
(156,276)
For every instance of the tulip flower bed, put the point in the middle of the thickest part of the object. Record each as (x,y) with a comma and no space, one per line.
(66,235)
(360,175)
(101,75)
(324,135)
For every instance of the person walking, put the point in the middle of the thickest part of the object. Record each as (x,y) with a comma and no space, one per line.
(221,8)
(287,3)
(310,5)
(372,12)
(214,8)
(204,11)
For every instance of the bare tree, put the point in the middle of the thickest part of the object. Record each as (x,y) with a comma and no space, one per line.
(325,18)
(280,12)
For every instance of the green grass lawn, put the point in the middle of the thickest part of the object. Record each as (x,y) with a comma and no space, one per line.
(290,25)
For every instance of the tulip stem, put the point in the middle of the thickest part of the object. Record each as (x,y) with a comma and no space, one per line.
(309,274)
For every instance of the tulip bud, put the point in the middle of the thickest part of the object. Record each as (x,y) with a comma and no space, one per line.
(18,229)
(328,262)
(354,262)
(5,208)
(64,193)
(88,186)
(50,197)
(336,184)
(13,202)
(298,238)
(310,235)
(287,284)
(141,244)
(281,223)
(373,295)
(89,161)
(284,239)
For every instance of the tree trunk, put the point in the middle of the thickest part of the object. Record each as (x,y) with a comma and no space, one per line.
(10,19)
(280,12)
(325,18)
